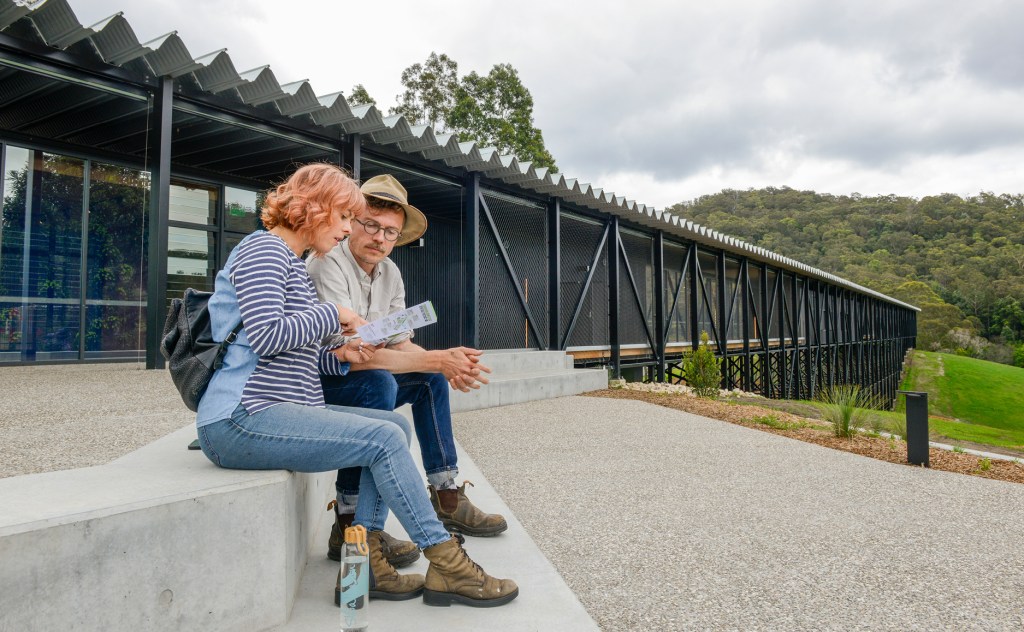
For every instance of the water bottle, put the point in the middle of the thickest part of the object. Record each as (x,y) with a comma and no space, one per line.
(354,580)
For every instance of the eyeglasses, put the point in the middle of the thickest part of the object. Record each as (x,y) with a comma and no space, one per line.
(372,228)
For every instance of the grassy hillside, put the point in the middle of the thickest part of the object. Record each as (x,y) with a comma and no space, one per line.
(971,400)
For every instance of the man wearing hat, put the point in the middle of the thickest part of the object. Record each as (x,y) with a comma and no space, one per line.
(359,275)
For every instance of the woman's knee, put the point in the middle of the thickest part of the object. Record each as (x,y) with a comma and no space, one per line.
(402,423)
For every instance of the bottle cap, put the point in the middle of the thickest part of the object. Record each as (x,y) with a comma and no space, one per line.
(355,534)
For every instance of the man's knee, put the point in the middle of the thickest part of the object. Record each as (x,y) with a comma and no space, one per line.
(377,390)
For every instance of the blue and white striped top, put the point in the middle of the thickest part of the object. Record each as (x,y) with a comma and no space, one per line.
(284,324)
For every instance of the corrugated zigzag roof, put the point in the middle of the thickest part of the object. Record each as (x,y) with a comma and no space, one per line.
(116,43)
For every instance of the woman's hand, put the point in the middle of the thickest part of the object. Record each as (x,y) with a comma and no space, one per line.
(355,351)
(349,320)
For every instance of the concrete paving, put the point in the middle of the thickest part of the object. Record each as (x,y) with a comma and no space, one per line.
(662,520)
(654,519)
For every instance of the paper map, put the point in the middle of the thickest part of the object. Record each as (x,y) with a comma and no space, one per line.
(398,323)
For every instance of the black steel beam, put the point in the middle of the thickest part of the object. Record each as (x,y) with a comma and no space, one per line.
(613,298)
(471,259)
(159,208)
(554,211)
(659,303)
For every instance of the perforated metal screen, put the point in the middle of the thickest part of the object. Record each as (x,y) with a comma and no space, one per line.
(522,229)
(580,238)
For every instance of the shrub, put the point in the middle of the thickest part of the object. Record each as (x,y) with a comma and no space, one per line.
(844,407)
(702,370)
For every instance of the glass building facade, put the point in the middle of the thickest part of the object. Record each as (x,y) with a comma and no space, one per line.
(74,247)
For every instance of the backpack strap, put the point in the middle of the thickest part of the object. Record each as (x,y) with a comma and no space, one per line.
(223,348)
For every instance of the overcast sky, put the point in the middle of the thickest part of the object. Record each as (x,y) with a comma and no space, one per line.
(665,101)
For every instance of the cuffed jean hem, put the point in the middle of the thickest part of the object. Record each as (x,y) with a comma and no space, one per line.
(442,478)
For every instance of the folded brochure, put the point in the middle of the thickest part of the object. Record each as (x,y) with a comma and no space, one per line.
(397,323)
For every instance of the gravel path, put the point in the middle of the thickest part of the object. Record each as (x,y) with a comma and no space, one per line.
(663,520)
(66,416)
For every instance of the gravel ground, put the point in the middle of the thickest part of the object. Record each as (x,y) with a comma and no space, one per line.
(66,416)
(663,520)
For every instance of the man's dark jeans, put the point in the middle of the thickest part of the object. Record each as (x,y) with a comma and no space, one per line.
(432,417)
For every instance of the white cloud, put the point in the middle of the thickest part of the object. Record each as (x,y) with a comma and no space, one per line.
(664,102)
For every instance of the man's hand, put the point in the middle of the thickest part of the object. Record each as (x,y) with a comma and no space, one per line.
(463,369)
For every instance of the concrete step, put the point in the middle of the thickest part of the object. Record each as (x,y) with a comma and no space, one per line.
(520,360)
(523,376)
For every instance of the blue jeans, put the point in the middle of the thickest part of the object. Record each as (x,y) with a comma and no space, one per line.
(431,414)
(309,439)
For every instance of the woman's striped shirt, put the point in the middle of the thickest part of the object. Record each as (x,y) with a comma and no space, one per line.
(284,323)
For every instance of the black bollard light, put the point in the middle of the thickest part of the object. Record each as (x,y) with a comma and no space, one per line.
(917,427)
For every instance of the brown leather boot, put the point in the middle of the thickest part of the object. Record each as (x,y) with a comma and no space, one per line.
(453,577)
(399,553)
(456,513)
(385,582)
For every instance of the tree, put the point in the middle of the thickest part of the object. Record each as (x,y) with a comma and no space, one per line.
(702,370)
(495,109)
(360,96)
(430,91)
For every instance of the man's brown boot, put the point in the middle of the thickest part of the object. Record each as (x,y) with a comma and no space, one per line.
(456,513)
(399,553)
(453,577)
(385,582)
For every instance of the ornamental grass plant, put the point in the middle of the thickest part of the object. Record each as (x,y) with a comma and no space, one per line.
(847,408)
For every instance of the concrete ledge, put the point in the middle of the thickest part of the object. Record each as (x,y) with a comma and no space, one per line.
(160,539)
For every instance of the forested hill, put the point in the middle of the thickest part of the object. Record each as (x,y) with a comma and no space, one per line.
(962,252)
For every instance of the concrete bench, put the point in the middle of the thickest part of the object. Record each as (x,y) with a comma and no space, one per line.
(160,539)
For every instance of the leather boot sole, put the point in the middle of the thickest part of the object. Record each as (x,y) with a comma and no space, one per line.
(446,599)
(473,531)
(383,596)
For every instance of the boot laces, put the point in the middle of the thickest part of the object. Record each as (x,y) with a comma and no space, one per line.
(479,570)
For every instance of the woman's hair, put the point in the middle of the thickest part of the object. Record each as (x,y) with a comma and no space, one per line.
(306,201)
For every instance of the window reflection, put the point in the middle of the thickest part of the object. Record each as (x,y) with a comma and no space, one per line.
(193,203)
(241,210)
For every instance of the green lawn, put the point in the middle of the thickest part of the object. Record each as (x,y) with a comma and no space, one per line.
(980,401)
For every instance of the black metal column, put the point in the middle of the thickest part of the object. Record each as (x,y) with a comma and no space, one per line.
(471,259)
(694,297)
(659,303)
(723,319)
(613,298)
(554,274)
(351,154)
(764,328)
(783,358)
(744,284)
(159,203)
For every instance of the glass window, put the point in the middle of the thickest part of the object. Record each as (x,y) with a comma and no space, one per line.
(12,228)
(190,260)
(55,233)
(115,325)
(193,203)
(240,210)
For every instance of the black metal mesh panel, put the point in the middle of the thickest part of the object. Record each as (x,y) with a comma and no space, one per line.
(502,318)
(678,328)
(580,238)
(772,311)
(639,251)
(435,271)
(707,319)
(734,300)
(522,228)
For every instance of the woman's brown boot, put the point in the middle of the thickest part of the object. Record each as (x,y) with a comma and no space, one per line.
(385,582)
(453,577)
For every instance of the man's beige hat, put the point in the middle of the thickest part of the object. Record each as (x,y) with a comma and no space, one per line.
(385,187)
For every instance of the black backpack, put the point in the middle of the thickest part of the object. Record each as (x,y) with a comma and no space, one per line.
(187,344)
